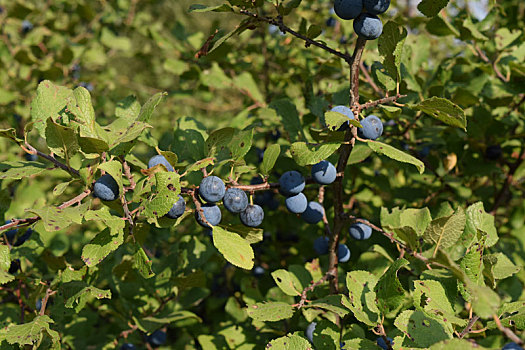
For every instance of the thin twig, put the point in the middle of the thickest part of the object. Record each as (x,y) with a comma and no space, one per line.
(369,79)
(508,182)
(508,333)
(380,101)
(277,21)
(31,150)
(49,293)
(28,221)
(313,285)
(469,326)
(129,175)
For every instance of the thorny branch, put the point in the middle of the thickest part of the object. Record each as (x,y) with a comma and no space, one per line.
(313,285)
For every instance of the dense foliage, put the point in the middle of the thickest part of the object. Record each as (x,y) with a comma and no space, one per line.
(250,173)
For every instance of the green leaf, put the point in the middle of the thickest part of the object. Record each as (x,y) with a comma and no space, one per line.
(245,83)
(233,247)
(359,154)
(142,263)
(472,265)
(361,298)
(100,247)
(167,194)
(290,342)
(152,323)
(218,140)
(326,336)
(283,279)
(390,293)
(390,45)
(479,220)
(114,42)
(241,143)
(485,301)
(270,157)
(78,293)
(114,223)
(49,101)
(128,108)
(10,134)
(394,153)
(114,168)
(61,140)
(55,219)
(149,107)
(286,109)
(430,297)
(31,332)
(204,8)
(431,8)
(273,311)
(305,154)
(444,110)
(504,37)
(420,329)
(19,170)
(334,120)
(250,234)
(331,303)
(92,145)
(5,263)
(314,31)
(445,231)
(454,344)
(498,266)
(82,108)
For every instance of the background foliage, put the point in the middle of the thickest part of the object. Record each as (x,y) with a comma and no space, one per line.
(459,259)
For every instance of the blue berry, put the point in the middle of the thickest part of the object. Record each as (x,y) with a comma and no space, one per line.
(321,245)
(345,111)
(157,338)
(360,231)
(128,346)
(296,204)
(11,233)
(38,305)
(87,86)
(310,331)
(376,7)
(212,189)
(372,128)
(31,157)
(177,209)
(258,271)
(14,267)
(382,344)
(291,183)
(159,159)
(348,9)
(235,200)
(26,26)
(212,213)
(23,238)
(368,26)
(324,172)
(106,188)
(493,152)
(314,213)
(343,253)
(330,22)
(252,216)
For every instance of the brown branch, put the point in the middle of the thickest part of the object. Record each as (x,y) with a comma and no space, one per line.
(28,221)
(507,332)
(129,175)
(31,150)
(49,293)
(469,326)
(198,208)
(313,285)
(485,59)
(277,21)
(384,100)
(344,153)
(320,198)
